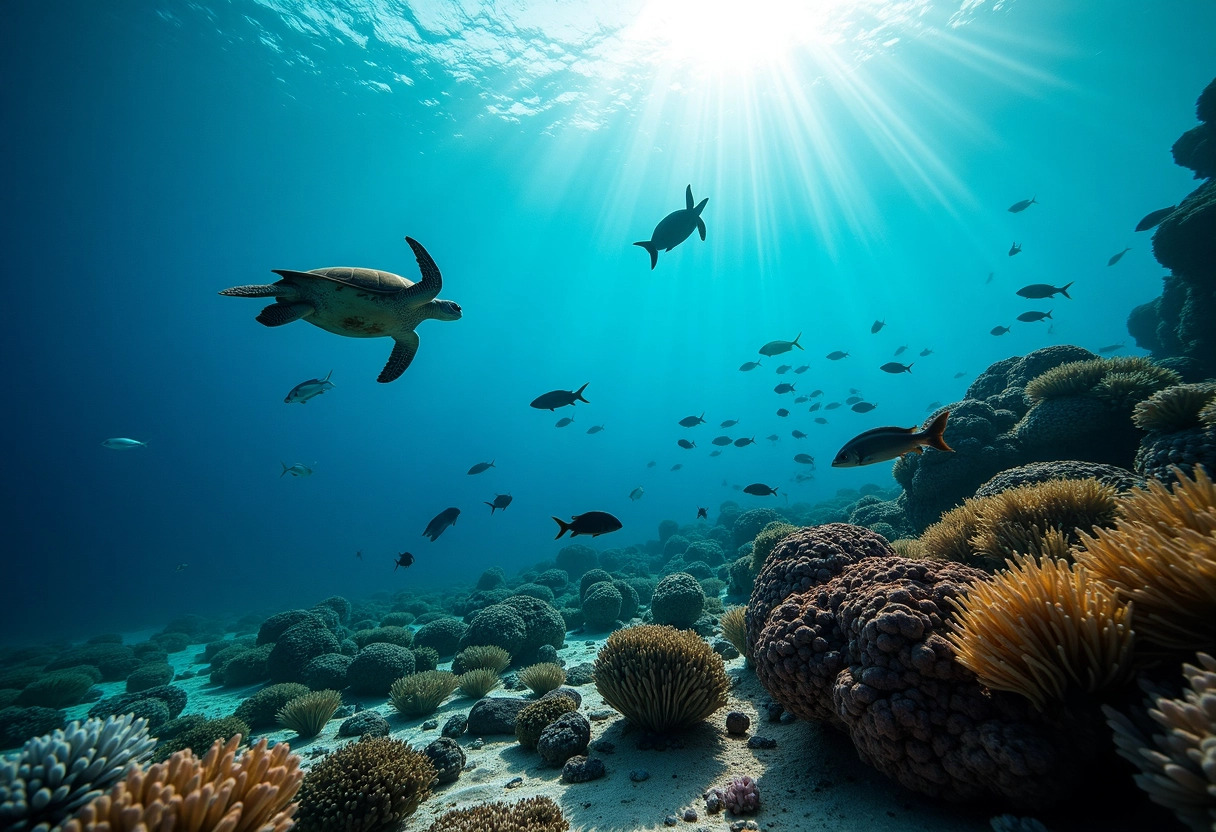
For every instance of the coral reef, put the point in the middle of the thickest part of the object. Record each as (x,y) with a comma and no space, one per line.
(261,709)
(601,606)
(377,666)
(199,734)
(296,647)
(766,539)
(442,634)
(677,600)
(328,671)
(1120,479)
(1181,425)
(748,524)
(535,814)
(56,690)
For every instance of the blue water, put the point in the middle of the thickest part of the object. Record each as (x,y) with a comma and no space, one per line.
(858,167)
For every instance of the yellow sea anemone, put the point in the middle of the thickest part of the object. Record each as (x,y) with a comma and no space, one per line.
(1174,408)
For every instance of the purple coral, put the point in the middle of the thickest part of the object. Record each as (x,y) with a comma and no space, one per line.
(741,795)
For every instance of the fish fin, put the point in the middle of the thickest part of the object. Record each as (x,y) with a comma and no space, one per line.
(1048,315)
(934,433)
(701,228)
(908,369)
(327,375)
(795,341)
(284,464)
(278,314)
(578,394)
(562,526)
(654,252)
(491,505)
(1064,291)
(688,203)
(404,349)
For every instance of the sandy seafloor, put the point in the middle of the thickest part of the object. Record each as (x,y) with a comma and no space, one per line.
(812,779)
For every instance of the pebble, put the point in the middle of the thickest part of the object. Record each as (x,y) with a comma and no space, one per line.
(671,820)
(774,710)
(515,782)
(477,744)
(740,825)
(787,718)
(582,769)
(600,714)
(603,746)
(713,801)
(639,775)
(430,725)
(690,815)
(455,726)
(588,643)
(761,742)
(737,722)
(726,650)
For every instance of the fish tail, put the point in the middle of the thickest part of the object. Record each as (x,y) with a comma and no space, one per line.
(1064,291)
(795,341)
(654,252)
(284,464)
(563,527)
(1048,315)
(578,394)
(491,505)
(933,434)
(908,369)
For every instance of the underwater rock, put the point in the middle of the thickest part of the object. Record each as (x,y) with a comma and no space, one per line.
(582,769)
(496,715)
(563,738)
(364,722)
(447,757)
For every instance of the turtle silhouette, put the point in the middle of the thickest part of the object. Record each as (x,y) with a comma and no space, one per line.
(674,228)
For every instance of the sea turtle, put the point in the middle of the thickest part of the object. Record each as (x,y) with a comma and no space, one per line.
(359,303)
(675,228)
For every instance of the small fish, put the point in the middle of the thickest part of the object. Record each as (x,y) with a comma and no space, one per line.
(722,441)
(926,351)
(959,375)
(852,400)
(901,350)
(481,466)
(1031,317)
(783,388)
(863,407)
(594,523)
(404,559)
(748,366)
(702,513)
(441,521)
(876,326)
(772,437)
(306,390)
(854,391)
(782,412)
(831,405)
(1038,291)
(692,421)
(501,501)
(797,434)
(181,566)
(297,470)
(784,368)
(729,423)
(777,347)
(562,422)
(121,443)
(1022,205)
(819,420)
(742,442)
(802,399)
(998,330)
(1109,348)
(800,370)
(716,452)
(677,466)
(595,429)
(559,398)
(837,355)
(684,443)
(1115,258)
(1154,218)
(1051,329)
(800,478)
(816,394)
(1016,248)
(881,444)
(804,459)
(636,494)
(896,367)
(814,407)
(651,464)
(933,406)
(359,554)
(760,490)
(990,276)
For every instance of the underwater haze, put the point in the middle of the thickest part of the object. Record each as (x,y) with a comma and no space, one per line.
(858,159)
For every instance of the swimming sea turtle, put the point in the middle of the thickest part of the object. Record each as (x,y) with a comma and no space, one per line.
(675,228)
(359,303)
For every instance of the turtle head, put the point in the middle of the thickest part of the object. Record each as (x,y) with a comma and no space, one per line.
(445,310)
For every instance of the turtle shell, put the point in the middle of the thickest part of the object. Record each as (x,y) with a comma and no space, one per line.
(367,280)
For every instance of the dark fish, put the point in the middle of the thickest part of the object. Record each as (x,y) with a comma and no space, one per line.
(674,229)
(562,422)
(1031,317)
(990,276)
(684,443)
(805,459)
(760,490)
(650,464)
(852,400)
(797,434)
(863,407)
(1038,291)
(677,466)
(1019,207)
(998,330)
(800,370)
(959,375)
(404,559)
(441,521)
(784,368)
(926,351)
(782,412)
(722,441)
(777,347)
(881,444)
(636,494)
(359,554)
(896,367)
(693,421)
(816,394)
(595,429)
(716,452)
(1015,249)
(748,366)
(831,405)
(481,466)
(802,399)
(854,391)
(743,443)
(594,523)
(1115,258)
(814,407)
(1109,348)
(901,350)
(1154,218)
(877,325)
(702,513)
(783,388)
(729,423)
(837,355)
(819,420)
(772,437)
(559,398)
(500,501)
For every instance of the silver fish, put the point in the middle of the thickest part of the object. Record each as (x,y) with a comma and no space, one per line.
(297,470)
(121,443)
(312,388)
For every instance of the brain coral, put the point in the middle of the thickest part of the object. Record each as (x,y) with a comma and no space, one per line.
(1120,479)
(749,523)
(601,606)
(678,600)
(499,625)
(542,625)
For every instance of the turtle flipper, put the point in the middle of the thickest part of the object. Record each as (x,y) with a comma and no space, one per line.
(278,314)
(431,284)
(265,290)
(399,360)
(688,203)
(701,228)
(654,252)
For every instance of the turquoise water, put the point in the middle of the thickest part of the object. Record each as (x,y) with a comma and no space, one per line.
(858,159)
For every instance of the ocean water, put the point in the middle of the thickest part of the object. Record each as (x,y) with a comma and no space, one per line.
(858,158)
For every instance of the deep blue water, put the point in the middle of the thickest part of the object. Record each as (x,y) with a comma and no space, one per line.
(155,153)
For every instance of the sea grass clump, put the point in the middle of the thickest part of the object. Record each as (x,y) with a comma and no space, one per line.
(481,655)
(476,684)
(307,714)
(734,628)
(420,694)
(542,677)
(1174,408)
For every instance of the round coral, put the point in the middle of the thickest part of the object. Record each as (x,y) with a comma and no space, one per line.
(499,625)
(741,795)
(678,600)
(601,606)
(1120,479)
